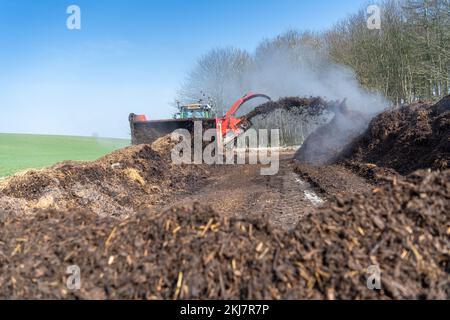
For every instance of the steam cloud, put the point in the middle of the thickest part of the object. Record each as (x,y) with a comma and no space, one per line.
(302,71)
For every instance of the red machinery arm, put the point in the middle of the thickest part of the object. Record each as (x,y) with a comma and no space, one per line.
(227,127)
(241,101)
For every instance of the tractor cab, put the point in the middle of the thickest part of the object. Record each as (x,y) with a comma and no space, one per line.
(194,111)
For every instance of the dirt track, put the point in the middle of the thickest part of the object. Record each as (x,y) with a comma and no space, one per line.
(295,191)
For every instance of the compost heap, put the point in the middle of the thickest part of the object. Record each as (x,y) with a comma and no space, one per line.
(118,184)
(406,139)
(194,253)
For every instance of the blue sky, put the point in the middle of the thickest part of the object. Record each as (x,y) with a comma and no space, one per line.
(129,56)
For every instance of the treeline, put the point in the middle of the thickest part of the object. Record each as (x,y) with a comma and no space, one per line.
(407,59)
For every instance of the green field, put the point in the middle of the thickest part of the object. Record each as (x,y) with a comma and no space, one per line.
(22,151)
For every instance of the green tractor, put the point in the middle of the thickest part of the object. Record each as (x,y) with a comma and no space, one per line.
(194,111)
(147,131)
(228,127)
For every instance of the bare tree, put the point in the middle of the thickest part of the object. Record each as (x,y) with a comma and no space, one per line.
(218,76)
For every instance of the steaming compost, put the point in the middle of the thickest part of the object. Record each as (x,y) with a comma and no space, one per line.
(312,107)
(406,139)
(403,139)
(140,227)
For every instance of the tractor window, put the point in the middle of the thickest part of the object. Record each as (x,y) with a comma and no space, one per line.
(194,114)
(200,113)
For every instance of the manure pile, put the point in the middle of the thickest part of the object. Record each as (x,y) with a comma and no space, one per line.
(195,253)
(406,139)
(311,107)
(403,139)
(67,215)
(117,185)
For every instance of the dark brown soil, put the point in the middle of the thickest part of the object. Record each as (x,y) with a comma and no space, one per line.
(196,253)
(226,232)
(406,139)
(241,191)
(403,227)
(118,184)
(333,180)
(313,107)
(289,104)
